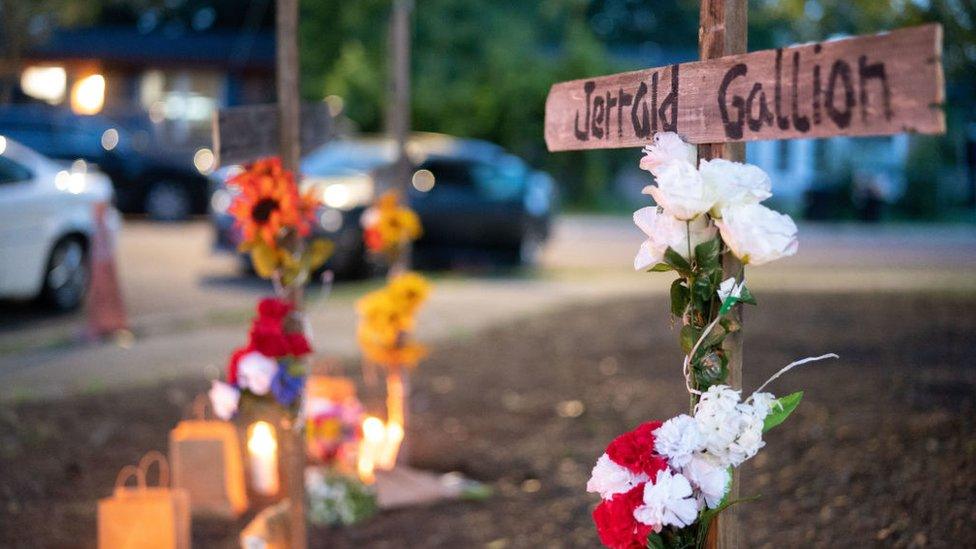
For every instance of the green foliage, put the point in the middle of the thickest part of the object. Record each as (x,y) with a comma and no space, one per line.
(782,408)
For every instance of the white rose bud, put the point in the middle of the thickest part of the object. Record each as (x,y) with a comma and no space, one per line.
(681,191)
(663,230)
(756,234)
(734,183)
(667,147)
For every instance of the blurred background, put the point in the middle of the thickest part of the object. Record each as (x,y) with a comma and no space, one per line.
(155,71)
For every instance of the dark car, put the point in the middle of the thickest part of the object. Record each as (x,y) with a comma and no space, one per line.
(146,180)
(476,201)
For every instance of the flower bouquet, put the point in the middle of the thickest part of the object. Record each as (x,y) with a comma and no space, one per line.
(662,484)
(274,219)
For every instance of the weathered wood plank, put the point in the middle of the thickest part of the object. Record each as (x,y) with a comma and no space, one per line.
(867,85)
(723,30)
(242,134)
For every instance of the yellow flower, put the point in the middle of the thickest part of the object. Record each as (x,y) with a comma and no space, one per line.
(390,224)
(408,290)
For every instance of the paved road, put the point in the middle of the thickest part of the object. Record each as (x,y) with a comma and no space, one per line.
(188,306)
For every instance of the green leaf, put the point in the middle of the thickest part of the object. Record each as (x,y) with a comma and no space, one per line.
(689,336)
(675,260)
(680,295)
(703,289)
(781,409)
(747,296)
(707,255)
(659,268)
(655,541)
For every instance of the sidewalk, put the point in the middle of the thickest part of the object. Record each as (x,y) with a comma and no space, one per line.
(587,261)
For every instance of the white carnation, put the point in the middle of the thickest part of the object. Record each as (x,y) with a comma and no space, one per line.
(669,501)
(667,147)
(608,478)
(762,404)
(224,399)
(732,430)
(663,230)
(734,183)
(756,234)
(708,477)
(680,190)
(677,439)
(255,372)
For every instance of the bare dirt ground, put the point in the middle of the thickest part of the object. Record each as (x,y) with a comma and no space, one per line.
(881,452)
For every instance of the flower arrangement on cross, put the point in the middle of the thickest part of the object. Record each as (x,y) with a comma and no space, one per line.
(662,484)
(275,220)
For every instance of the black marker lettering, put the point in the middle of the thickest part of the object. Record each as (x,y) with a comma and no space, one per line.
(842,70)
(733,129)
(801,123)
(624,99)
(765,115)
(781,121)
(877,70)
(640,130)
(584,134)
(672,100)
(597,117)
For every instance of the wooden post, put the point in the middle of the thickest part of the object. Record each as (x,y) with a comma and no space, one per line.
(723,30)
(290,151)
(398,113)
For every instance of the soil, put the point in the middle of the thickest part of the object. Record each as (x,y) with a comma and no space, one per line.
(882,451)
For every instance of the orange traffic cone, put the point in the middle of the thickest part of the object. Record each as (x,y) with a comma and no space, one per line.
(106,311)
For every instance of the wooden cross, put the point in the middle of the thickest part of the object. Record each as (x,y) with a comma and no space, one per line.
(867,85)
(243,134)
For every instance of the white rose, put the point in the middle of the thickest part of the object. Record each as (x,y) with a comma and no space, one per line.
(667,502)
(255,372)
(667,147)
(756,234)
(708,476)
(734,183)
(224,399)
(677,439)
(608,478)
(663,230)
(681,191)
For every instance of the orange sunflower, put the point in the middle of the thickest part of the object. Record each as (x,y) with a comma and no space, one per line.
(268,202)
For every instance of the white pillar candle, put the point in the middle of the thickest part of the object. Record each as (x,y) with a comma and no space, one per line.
(374,434)
(262,450)
(391,446)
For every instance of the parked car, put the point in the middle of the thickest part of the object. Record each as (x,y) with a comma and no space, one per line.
(47,221)
(146,179)
(476,201)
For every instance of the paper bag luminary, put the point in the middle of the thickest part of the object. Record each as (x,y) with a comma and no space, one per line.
(206,459)
(142,516)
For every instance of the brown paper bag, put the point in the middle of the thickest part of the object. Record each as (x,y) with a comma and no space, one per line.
(207,463)
(144,517)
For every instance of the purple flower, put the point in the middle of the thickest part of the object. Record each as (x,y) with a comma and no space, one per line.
(286,387)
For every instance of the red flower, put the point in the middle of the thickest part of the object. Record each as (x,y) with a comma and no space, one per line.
(235,360)
(268,331)
(616,524)
(635,450)
(373,239)
(272,307)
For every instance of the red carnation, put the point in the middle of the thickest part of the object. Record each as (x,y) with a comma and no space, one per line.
(235,360)
(268,337)
(272,307)
(635,450)
(616,524)
(298,344)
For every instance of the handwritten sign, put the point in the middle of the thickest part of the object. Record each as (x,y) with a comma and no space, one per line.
(867,85)
(245,133)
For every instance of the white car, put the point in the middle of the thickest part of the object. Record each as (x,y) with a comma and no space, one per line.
(47,223)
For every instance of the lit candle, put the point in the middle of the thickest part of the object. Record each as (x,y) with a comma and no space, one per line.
(262,449)
(370,447)
(391,446)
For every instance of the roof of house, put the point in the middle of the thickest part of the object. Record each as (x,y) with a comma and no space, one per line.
(126,45)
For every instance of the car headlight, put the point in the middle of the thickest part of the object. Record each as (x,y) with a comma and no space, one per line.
(346,194)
